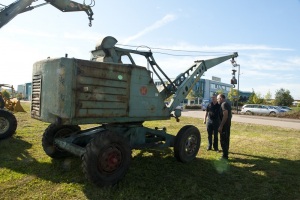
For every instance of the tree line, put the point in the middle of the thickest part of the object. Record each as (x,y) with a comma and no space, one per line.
(282,98)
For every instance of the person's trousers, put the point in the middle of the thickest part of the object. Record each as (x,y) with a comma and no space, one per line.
(212,131)
(225,140)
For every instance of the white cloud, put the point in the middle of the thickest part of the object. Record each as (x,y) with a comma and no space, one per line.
(83,35)
(225,48)
(252,47)
(158,24)
(27,32)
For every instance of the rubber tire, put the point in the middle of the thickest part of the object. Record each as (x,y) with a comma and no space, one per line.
(95,161)
(272,113)
(54,131)
(8,124)
(182,139)
(249,112)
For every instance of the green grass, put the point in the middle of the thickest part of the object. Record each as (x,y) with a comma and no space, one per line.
(264,164)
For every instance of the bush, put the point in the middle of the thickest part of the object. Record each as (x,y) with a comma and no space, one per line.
(5,94)
(193,107)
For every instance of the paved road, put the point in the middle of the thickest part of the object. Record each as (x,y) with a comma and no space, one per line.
(251,119)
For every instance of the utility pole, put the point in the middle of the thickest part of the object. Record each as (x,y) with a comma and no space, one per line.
(238,90)
(234,81)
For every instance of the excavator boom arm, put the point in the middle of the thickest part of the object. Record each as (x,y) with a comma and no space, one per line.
(71,6)
(9,12)
(186,81)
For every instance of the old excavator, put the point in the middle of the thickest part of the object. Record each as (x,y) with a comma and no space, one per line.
(8,122)
(68,92)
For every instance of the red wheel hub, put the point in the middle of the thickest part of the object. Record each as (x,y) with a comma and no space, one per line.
(110,160)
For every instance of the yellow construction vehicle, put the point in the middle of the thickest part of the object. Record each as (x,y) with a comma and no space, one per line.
(12,104)
(8,122)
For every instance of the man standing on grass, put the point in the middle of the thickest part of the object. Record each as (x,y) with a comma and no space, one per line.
(213,122)
(224,128)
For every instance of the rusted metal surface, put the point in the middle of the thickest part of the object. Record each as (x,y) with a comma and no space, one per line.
(36,96)
(73,91)
(102,90)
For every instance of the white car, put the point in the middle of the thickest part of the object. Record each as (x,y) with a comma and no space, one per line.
(285,108)
(204,104)
(276,109)
(179,108)
(259,109)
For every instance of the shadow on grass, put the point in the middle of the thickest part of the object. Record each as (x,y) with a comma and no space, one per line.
(160,176)
(157,175)
(14,155)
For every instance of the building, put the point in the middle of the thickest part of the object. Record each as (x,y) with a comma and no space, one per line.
(25,90)
(205,88)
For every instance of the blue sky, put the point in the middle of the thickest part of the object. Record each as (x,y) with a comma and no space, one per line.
(265,33)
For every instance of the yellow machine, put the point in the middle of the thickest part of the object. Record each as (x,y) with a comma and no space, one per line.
(8,122)
(12,104)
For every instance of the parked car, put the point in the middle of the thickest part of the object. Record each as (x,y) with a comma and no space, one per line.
(180,107)
(204,104)
(285,108)
(259,109)
(276,109)
(279,108)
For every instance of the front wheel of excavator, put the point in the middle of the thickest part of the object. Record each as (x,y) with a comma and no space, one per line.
(187,143)
(57,131)
(107,159)
(8,124)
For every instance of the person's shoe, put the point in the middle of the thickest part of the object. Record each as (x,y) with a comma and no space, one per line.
(216,150)
(208,149)
(224,158)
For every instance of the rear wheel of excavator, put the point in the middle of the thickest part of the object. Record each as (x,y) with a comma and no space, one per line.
(187,143)
(57,131)
(8,124)
(107,159)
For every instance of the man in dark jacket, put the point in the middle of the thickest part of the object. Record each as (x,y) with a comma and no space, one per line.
(224,128)
(212,123)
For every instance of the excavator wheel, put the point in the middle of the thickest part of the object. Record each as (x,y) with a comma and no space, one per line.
(57,131)
(8,124)
(187,143)
(107,159)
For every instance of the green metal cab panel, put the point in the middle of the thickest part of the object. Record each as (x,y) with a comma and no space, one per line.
(77,91)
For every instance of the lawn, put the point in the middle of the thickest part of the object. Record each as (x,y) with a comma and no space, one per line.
(264,164)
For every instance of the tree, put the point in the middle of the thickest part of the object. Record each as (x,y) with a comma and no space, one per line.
(5,94)
(20,96)
(283,98)
(255,98)
(268,97)
(195,94)
(220,91)
(233,94)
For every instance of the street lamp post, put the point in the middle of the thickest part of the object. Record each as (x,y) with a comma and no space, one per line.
(238,90)
(234,81)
